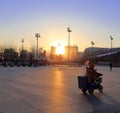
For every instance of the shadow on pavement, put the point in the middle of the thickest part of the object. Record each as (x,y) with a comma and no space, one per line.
(111,99)
(100,106)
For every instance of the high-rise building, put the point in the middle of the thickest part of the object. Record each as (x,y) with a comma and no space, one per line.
(71,52)
(53,50)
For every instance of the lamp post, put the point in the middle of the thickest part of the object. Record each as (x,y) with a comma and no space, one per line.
(68,30)
(37,35)
(22,48)
(92,43)
(111,38)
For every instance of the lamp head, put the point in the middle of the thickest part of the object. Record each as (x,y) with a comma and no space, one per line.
(37,35)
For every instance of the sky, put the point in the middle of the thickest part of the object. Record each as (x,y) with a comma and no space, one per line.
(89,20)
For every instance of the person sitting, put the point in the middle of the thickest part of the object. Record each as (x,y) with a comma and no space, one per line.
(91,73)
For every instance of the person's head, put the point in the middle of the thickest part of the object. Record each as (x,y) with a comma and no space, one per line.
(91,66)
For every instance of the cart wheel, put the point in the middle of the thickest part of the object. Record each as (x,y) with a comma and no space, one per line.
(84,91)
(100,88)
(91,90)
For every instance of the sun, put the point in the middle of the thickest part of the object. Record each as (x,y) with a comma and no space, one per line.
(60,50)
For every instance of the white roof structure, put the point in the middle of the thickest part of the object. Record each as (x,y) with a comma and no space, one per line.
(109,53)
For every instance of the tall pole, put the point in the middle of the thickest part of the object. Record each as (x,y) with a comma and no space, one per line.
(37,35)
(92,43)
(22,49)
(111,38)
(68,30)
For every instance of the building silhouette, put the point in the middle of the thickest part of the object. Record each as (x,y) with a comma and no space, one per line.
(73,54)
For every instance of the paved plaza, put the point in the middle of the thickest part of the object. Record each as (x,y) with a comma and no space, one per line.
(54,89)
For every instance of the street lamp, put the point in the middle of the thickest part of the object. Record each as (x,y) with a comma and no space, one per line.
(22,48)
(68,30)
(37,35)
(92,43)
(111,38)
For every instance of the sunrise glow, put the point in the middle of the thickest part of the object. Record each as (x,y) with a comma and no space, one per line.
(60,49)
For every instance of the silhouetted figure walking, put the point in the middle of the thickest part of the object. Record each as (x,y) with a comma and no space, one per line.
(110,66)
